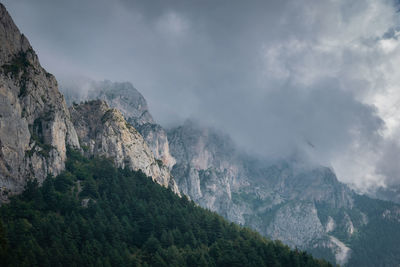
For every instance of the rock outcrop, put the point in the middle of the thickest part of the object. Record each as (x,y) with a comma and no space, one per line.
(125,98)
(131,103)
(206,168)
(282,200)
(103,131)
(35,128)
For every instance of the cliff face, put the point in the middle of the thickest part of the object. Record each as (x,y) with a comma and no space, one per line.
(304,206)
(103,131)
(34,120)
(206,168)
(282,200)
(125,98)
(131,103)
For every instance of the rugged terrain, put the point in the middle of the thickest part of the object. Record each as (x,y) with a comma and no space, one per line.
(103,131)
(125,98)
(279,200)
(121,218)
(302,204)
(36,126)
(35,129)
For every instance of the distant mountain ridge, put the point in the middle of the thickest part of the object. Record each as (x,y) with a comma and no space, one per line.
(103,131)
(36,127)
(125,98)
(305,206)
(77,183)
(301,205)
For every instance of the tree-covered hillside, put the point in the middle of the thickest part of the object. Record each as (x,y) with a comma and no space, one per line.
(94,214)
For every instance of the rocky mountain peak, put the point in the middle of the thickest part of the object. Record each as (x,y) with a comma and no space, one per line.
(35,129)
(120,95)
(12,41)
(103,131)
(124,97)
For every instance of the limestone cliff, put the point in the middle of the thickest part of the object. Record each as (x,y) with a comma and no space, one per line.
(103,131)
(206,168)
(131,103)
(35,129)
(282,200)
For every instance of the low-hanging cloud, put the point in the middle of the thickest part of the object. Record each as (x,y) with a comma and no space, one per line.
(319,77)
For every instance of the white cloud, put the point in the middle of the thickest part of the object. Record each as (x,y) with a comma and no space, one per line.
(345,41)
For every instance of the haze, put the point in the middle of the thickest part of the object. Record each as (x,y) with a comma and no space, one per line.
(319,77)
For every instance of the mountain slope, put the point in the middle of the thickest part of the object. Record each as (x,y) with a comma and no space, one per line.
(302,205)
(103,131)
(131,103)
(96,215)
(34,120)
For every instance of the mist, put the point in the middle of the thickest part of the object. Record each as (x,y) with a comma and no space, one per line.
(319,77)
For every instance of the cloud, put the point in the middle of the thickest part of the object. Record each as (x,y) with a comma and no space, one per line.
(278,75)
(172,24)
(345,43)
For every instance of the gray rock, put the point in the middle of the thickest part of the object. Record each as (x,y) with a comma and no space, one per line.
(35,129)
(278,199)
(125,98)
(131,103)
(103,131)
(297,224)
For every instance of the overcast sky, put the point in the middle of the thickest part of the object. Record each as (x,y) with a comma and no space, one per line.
(277,75)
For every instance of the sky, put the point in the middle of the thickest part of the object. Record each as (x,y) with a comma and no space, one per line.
(320,78)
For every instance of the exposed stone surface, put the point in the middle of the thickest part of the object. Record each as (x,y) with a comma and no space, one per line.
(103,131)
(278,199)
(206,167)
(131,103)
(35,129)
(304,206)
(288,200)
(300,218)
(125,98)
(341,251)
(157,139)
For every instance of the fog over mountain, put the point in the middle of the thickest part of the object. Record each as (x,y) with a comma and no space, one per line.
(314,78)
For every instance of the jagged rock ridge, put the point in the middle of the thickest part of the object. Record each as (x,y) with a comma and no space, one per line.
(303,205)
(131,103)
(282,200)
(35,129)
(103,131)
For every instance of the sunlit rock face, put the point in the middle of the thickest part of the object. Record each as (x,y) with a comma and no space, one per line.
(103,131)
(133,106)
(35,129)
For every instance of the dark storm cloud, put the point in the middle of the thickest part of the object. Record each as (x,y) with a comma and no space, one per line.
(278,75)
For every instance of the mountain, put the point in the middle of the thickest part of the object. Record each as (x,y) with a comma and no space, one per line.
(278,200)
(95,211)
(391,193)
(103,131)
(36,126)
(35,129)
(131,103)
(94,214)
(301,204)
